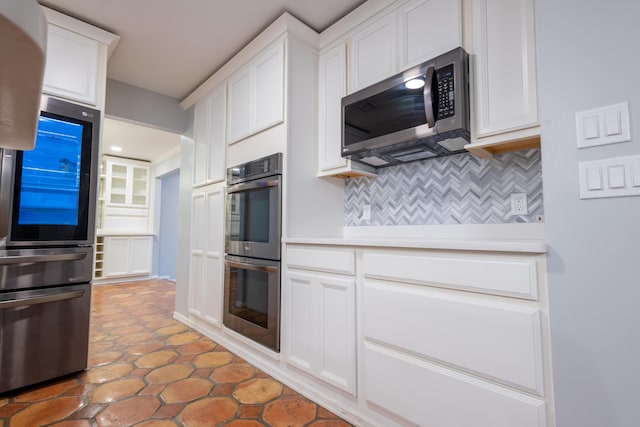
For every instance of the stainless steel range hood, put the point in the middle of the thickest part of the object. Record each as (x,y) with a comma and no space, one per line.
(23,40)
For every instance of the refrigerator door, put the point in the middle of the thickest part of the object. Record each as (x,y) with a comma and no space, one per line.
(44,334)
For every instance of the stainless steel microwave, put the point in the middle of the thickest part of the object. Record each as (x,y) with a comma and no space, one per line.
(418,114)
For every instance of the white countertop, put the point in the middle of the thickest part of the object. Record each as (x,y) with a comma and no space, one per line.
(490,237)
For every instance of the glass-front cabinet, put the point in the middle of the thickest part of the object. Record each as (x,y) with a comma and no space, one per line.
(127,182)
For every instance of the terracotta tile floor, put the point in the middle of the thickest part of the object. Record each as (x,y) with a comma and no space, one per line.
(148,370)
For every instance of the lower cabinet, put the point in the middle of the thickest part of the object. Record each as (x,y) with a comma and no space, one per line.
(321,319)
(126,256)
(207,254)
(435,353)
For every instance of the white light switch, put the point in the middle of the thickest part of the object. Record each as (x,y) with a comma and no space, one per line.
(613,177)
(594,179)
(635,172)
(616,176)
(612,122)
(605,125)
(591,127)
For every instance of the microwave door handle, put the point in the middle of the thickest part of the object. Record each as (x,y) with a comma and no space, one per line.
(428,97)
(253,267)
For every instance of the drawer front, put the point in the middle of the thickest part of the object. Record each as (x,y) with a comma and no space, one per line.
(496,340)
(330,260)
(418,393)
(493,274)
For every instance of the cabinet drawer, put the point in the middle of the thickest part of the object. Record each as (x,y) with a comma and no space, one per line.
(419,393)
(331,260)
(492,274)
(492,339)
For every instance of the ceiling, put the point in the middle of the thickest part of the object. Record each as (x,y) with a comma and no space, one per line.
(171,47)
(138,142)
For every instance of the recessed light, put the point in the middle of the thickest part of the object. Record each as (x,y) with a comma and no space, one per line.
(416,83)
(115,148)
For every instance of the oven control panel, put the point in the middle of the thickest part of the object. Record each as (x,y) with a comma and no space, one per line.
(266,166)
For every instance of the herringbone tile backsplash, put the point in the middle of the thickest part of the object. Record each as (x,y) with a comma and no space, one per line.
(458,189)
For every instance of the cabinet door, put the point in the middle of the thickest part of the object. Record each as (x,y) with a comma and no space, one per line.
(202,139)
(428,28)
(116,256)
(337,338)
(333,86)
(301,339)
(239,118)
(71,66)
(117,177)
(268,77)
(216,171)
(374,53)
(214,255)
(197,255)
(140,255)
(505,67)
(139,186)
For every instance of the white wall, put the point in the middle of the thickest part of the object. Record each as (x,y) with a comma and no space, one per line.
(588,56)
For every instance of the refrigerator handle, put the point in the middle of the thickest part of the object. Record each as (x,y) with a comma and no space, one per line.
(27,259)
(40,299)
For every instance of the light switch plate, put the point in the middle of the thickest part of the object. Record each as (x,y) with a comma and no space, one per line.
(612,177)
(604,125)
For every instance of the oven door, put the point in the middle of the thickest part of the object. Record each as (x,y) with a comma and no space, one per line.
(253,218)
(252,299)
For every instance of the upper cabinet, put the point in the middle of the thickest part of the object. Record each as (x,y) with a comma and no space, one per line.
(415,32)
(374,53)
(123,206)
(76,63)
(428,28)
(332,87)
(209,135)
(503,76)
(256,95)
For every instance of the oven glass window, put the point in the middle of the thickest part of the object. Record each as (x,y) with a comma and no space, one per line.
(249,295)
(250,215)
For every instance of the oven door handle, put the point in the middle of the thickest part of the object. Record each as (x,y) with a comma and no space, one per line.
(28,259)
(41,299)
(252,185)
(245,266)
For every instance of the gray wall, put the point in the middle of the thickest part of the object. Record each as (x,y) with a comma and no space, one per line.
(168,235)
(588,56)
(142,106)
(458,189)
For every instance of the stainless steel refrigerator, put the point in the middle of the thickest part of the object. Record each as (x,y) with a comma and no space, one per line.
(47,230)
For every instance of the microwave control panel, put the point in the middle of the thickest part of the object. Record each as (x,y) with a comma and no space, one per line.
(445,92)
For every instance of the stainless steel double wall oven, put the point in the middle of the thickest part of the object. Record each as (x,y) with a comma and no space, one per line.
(252,250)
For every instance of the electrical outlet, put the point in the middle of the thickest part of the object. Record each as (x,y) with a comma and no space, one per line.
(366,212)
(519,204)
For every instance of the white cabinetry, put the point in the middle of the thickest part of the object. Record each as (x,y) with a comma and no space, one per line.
(332,87)
(210,131)
(256,95)
(374,53)
(320,321)
(127,183)
(207,254)
(127,256)
(76,60)
(428,28)
(503,74)
(413,33)
(436,354)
